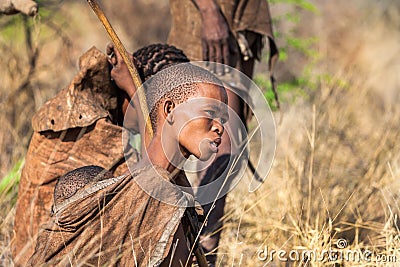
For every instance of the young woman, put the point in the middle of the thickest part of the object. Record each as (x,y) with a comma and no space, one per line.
(137,219)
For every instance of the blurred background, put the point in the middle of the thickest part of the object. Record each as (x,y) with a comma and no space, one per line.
(337,165)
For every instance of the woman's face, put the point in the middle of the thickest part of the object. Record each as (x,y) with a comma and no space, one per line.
(199,122)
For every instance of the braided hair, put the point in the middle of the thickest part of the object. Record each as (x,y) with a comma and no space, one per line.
(152,58)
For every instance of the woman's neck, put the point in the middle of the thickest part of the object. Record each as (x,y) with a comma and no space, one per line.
(156,154)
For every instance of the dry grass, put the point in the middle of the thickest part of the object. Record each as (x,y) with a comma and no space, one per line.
(8,196)
(336,170)
(334,177)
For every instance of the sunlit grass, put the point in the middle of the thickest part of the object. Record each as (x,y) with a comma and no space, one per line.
(8,197)
(334,180)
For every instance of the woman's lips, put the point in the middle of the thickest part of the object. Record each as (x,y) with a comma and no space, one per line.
(214,145)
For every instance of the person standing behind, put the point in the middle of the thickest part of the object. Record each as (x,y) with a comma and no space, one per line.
(229,32)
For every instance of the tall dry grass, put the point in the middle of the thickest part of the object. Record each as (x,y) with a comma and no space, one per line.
(335,176)
(336,172)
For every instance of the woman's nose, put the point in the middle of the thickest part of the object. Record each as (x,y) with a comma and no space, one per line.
(217,127)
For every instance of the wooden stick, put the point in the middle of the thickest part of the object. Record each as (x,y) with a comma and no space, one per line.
(132,70)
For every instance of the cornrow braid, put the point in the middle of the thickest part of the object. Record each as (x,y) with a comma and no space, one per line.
(152,58)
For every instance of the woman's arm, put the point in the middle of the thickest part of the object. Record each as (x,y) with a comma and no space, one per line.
(122,78)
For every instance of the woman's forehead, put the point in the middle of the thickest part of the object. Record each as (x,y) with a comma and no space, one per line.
(213,91)
(207,102)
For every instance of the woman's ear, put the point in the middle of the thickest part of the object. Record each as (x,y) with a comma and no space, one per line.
(168,107)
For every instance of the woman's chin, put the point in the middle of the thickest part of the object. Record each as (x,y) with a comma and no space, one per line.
(206,150)
(206,156)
